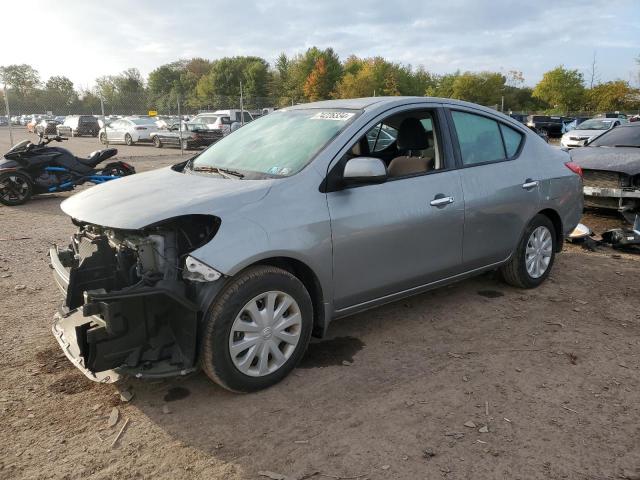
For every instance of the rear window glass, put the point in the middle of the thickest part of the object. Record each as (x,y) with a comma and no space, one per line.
(479,138)
(141,121)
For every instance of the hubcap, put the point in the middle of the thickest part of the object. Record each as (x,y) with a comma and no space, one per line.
(265,333)
(538,253)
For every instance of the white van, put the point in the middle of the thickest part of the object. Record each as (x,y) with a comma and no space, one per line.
(221,119)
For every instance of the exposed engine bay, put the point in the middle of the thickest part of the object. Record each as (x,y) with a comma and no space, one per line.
(132,297)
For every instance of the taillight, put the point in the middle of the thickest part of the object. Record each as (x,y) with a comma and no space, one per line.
(575,168)
(141,128)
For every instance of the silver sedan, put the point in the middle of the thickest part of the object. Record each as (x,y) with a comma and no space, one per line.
(232,260)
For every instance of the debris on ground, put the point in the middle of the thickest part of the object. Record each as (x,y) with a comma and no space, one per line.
(20,287)
(483,429)
(470,424)
(115,440)
(166,410)
(428,453)
(114,416)
(272,475)
(126,395)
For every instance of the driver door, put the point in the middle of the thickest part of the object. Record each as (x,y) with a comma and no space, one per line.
(392,237)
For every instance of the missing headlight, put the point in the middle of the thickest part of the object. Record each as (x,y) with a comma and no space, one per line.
(197,271)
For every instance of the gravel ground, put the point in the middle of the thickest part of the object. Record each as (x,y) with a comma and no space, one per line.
(547,381)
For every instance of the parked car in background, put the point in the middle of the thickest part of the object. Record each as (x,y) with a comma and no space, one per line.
(232,260)
(78,126)
(213,121)
(4,121)
(47,126)
(552,125)
(192,135)
(588,130)
(128,130)
(611,167)
(634,118)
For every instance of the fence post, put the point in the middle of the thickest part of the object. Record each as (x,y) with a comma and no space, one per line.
(179,124)
(6,104)
(104,122)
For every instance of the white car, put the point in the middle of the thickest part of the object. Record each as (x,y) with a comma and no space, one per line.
(588,130)
(128,131)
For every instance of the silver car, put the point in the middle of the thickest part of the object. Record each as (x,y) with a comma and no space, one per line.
(233,259)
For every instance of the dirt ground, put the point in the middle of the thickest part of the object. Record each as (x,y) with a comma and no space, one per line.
(552,373)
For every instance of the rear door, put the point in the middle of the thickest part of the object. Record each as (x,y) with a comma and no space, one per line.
(500,184)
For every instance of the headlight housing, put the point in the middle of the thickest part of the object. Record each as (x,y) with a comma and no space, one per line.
(196,271)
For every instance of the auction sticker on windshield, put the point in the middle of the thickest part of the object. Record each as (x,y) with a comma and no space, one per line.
(340,116)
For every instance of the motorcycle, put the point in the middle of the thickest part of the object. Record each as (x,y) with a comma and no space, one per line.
(31,169)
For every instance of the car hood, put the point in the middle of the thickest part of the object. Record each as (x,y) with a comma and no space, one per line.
(613,159)
(139,200)
(584,133)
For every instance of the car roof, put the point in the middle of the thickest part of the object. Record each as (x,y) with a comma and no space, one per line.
(376,103)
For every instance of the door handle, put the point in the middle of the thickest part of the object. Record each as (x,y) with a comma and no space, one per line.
(441,201)
(529,184)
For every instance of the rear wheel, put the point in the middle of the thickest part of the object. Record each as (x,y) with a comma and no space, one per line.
(257,330)
(128,140)
(157,142)
(533,259)
(15,188)
(103,139)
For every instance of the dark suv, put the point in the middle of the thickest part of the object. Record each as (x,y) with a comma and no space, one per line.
(79,125)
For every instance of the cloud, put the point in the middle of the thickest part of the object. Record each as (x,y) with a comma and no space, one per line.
(440,35)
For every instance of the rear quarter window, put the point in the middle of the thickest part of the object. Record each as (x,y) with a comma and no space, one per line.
(512,140)
(479,138)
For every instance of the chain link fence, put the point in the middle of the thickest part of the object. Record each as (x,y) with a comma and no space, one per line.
(90,115)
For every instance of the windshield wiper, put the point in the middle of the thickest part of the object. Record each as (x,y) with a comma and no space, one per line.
(632,146)
(220,171)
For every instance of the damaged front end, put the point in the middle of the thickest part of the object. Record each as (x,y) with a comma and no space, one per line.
(131,297)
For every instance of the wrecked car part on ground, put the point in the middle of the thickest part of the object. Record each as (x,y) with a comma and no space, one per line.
(611,168)
(129,297)
(231,260)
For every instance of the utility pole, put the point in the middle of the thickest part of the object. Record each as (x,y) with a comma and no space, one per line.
(241,106)
(104,122)
(179,124)
(502,104)
(6,104)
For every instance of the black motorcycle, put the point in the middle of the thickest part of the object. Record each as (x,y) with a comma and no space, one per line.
(30,169)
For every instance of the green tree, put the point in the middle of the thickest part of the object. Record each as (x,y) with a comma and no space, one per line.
(611,96)
(562,89)
(302,65)
(60,92)
(485,88)
(21,78)
(318,84)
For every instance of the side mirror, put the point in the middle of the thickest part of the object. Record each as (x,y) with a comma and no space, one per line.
(362,170)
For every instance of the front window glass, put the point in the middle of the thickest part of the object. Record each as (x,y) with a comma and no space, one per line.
(621,136)
(479,138)
(280,144)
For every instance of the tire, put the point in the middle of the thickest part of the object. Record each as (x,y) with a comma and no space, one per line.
(515,271)
(15,188)
(103,139)
(116,169)
(128,140)
(229,310)
(157,142)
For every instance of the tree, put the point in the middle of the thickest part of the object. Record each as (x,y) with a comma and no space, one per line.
(302,65)
(317,85)
(485,88)
(60,92)
(611,96)
(21,78)
(562,89)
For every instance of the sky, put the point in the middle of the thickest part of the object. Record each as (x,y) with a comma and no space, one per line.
(87,39)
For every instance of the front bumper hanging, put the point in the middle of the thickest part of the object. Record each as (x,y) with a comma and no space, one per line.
(145,331)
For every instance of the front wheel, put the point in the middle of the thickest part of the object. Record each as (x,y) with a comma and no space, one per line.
(15,188)
(533,259)
(128,140)
(103,139)
(157,142)
(257,330)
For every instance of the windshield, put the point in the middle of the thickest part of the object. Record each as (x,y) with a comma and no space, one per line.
(279,144)
(596,124)
(628,136)
(19,146)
